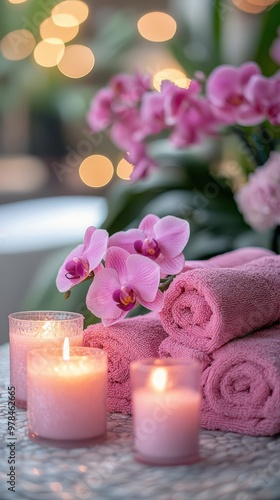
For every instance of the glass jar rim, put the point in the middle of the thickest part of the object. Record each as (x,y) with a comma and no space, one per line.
(147,364)
(38,316)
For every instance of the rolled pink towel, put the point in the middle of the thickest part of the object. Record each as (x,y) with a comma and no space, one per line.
(241,388)
(170,348)
(206,308)
(129,340)
(230,259)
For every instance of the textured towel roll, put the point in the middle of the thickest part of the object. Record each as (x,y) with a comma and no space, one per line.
(170,348)
(206,308)
(241,388)
(230,259)
(127,341)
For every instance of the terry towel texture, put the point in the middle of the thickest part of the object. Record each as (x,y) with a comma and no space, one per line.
(170,348)
(128,340)
(206,308)
(230,259)
(241,388)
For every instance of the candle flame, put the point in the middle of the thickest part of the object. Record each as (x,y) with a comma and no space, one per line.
(66,349)
(159,379)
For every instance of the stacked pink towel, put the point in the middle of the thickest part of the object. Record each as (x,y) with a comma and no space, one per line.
(241,387)
(128,340)
(206,308)
(229,259)
(170,348)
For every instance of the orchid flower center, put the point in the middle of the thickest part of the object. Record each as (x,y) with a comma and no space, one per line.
(149,247)
(235,99)
(77,268)
(125,298)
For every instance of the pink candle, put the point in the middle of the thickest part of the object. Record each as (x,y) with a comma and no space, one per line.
(38,329)
(166,411)
(67,396)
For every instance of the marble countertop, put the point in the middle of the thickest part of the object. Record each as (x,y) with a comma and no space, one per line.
(232,466)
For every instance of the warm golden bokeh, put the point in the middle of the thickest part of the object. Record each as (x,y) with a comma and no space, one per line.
(17,45)
(65,20)
(16,1)
(49,52)
(49,29)
(124,169)
(157,26)
(264,3)
(77,61)
(174,75)
(248,7)
(76,8)
(96,171)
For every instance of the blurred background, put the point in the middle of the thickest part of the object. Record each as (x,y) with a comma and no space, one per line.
(57,177)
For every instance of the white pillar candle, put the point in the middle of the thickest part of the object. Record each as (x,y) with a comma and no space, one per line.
(67,396)
(38,329)
(166,411)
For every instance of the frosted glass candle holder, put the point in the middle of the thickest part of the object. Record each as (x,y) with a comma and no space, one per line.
(67,399)
(37,329)
(166,410)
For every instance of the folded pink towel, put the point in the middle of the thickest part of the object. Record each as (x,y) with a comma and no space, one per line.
(230,259)
(129,340)
(170,348)
(241,388)
(206,308)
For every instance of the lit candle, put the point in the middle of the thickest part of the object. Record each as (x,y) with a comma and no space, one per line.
(38,329)
(67,395)
(166,411)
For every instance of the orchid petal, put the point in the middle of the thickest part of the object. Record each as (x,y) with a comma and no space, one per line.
(172,234)
(156,304)
(126,239)
(147,225)
(96,247)
(99,298)
(171,266)
(143,276)
(116,258)
(64,284)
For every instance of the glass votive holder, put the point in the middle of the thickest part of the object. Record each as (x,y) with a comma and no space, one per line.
(67,398)
(37,329)
(166,402)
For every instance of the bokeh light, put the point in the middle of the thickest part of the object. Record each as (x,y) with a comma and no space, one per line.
(17,45)
(76,8)
(17,1)
(248,7)
(157,26)
(65,20)
(77,61)
(49,29)
(49,52)
(96,171)
(174,75)
(264,3)
(124,169)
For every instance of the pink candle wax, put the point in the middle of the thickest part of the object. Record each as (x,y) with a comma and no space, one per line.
(166,412)
(67,399)
(38,329)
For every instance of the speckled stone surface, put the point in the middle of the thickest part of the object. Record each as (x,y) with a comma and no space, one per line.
(232,466)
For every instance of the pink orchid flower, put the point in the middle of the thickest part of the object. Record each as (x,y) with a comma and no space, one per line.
(84,259)
(117,99)
(126,281)
(275,49)
(259,199)
(265,92)
(225,89)
(161,240)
